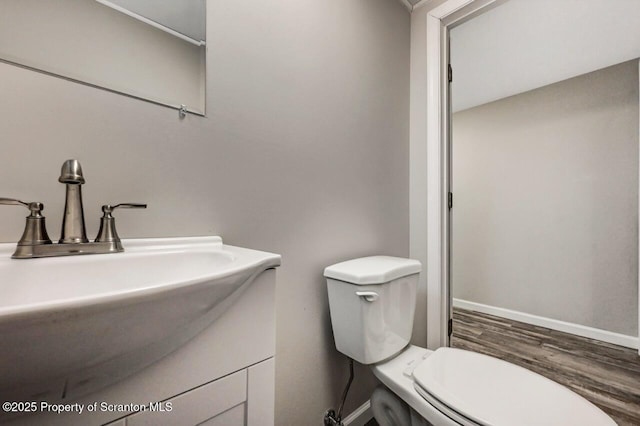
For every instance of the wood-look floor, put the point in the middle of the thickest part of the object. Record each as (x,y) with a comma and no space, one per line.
(607,375)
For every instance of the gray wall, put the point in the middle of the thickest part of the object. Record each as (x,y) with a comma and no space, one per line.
(304,152)
(546,201)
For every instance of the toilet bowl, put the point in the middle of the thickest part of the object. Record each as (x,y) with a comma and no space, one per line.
(372,304)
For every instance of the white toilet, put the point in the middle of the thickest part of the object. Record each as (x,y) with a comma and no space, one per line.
(372,303)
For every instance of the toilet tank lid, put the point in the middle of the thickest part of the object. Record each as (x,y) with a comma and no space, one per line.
(373,269)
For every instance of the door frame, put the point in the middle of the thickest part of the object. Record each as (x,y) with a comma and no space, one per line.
(430,157)
(430,152)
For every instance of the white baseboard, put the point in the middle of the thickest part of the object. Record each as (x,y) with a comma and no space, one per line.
(567,327)
(360,416)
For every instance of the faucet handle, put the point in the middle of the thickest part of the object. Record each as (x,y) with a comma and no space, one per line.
(34,207)
(107,208)
(35,231)
(107,230)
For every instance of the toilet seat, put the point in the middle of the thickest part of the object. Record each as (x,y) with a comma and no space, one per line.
(406,376)
(478,389)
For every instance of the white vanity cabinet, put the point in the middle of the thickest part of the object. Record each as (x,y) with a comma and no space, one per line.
(224,376)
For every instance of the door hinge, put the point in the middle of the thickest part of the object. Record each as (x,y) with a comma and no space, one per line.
(450,73)
(450,327)
(450,200)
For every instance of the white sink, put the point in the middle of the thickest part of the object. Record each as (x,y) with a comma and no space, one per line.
(72,325)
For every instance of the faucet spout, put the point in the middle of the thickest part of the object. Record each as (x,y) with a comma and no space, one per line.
(73,228)
(71,173)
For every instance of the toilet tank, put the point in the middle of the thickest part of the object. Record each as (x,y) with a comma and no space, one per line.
(372,301)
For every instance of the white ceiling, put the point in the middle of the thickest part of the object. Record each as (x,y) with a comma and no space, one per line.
(525,44)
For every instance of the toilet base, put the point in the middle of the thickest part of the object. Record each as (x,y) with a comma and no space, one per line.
(389,410)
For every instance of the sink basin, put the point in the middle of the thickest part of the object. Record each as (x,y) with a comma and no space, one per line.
(72,325)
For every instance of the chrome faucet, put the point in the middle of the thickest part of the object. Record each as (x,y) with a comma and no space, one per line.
(35,241)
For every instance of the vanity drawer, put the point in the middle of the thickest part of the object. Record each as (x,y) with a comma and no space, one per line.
(198,405)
